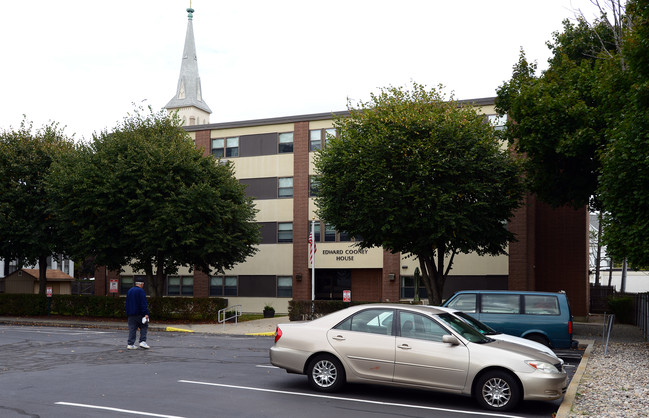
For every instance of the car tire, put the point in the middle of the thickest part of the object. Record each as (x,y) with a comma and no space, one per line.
(497,391)
(326,373)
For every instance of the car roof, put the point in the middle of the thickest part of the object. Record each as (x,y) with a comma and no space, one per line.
(511,292)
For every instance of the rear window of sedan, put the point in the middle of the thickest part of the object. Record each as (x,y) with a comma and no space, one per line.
(375,321)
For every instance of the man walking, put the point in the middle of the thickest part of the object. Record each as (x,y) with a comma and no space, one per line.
(137,311)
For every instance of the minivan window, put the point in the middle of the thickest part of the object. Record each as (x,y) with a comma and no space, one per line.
(464,303)
(507,304)
(541,305)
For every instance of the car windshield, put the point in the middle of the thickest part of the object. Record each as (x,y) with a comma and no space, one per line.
(463,328)
(483,328)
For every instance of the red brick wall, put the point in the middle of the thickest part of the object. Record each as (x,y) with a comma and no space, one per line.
(522,251)
(301,288)
(366,285)
(562,254)
(551,253)
(204,142)
(391,265)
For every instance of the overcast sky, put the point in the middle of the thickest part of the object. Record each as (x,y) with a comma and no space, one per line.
(84,63)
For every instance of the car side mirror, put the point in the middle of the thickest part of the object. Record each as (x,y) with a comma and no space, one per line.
(450,339)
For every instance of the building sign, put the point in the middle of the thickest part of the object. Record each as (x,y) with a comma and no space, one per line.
(347,255)
(113,286)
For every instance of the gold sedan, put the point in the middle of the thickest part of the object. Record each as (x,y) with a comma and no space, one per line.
(415,346)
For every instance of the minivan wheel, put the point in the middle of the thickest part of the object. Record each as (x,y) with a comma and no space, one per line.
(326,373)
(497,391)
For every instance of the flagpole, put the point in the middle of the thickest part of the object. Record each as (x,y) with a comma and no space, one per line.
(312,250)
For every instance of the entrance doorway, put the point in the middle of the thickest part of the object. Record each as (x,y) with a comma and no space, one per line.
(329,284)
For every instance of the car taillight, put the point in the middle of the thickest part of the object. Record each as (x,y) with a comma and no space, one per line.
(569,328)
(278,334)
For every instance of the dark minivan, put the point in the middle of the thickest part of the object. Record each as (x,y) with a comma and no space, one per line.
(543,317)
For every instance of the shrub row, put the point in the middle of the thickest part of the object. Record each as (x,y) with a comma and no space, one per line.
(109,307)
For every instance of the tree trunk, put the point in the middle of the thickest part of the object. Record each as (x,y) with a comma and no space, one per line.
(42,274)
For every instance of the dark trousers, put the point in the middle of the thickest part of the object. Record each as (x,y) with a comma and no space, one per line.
(135,322)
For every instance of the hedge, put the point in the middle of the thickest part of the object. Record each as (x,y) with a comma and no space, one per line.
(110,307)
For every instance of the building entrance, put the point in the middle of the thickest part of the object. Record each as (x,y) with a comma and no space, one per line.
(329,284)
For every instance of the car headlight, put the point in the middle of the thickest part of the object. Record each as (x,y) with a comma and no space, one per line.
(542,366)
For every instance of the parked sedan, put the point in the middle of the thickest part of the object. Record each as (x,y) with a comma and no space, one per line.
(415,346)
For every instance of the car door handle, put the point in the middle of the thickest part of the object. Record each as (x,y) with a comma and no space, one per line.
(404,347)
(338,338)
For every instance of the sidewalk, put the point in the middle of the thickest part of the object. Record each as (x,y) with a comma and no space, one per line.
(265,326)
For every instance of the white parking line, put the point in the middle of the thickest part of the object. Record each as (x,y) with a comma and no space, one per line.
(126,411)
(64,331)
(338,398)
(264,366)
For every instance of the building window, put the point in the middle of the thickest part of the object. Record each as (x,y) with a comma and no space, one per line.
(180,286)
(330,133)
(285,142)
(497,122)
(230,288)
(232,147)
(284,286)
(285,232)
(223,286)
(225,147)
(330,233)
(285,187)
(314,184)
(408,288)
(125,283)
(315,139)
(216,286)
(218,148)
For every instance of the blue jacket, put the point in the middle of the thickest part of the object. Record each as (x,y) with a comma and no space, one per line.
(136,302)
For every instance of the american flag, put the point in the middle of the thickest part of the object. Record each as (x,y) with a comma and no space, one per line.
(312,247)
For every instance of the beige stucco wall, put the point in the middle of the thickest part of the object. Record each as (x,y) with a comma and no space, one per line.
(274,259)
(278,165)
(466,264)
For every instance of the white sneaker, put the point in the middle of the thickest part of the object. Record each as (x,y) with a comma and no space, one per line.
(143,344)
(131,347)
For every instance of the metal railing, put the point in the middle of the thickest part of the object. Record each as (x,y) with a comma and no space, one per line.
(642,314)
(606,332)
(222,314)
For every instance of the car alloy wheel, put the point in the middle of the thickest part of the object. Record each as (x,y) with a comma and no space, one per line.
(325,373)
(497,391)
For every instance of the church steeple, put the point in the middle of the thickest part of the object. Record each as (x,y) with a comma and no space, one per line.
(188,100)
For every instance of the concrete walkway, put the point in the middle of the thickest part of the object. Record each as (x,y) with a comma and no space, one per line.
(264,326)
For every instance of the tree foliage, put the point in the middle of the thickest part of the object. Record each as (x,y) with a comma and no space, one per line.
(143,195)
(560,120)
(625,178)
(29,230)
(414,173)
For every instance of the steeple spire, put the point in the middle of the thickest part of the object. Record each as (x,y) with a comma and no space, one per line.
(188,100)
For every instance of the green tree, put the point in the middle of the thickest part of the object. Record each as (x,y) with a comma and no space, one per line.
(625,177)
(30,232)
(414,173)
(560,120)
(143,195)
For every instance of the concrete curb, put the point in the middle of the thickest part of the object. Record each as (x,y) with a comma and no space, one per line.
(571,393)
(172,329)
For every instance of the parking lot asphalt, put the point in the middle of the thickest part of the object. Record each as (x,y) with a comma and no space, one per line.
(586,334)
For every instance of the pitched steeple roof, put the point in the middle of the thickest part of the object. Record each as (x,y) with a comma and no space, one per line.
(188,92)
